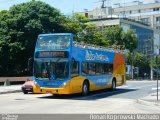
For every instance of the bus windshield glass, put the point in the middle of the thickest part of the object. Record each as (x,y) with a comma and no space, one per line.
(51,70)
(53,42)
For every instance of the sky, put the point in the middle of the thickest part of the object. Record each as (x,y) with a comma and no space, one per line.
(68,6)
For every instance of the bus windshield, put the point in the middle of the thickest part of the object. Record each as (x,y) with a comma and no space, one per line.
(53,42)
(51,70)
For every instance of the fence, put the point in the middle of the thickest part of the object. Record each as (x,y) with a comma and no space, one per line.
(9,80)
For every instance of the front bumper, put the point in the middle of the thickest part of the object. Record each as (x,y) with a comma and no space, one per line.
(55,90)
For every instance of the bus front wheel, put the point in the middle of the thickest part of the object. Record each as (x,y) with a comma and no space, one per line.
(85,88)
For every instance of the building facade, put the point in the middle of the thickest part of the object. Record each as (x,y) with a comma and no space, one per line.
(145,13)
(148,38)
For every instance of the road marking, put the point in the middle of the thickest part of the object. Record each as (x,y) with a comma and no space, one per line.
(141,86)
(124,86)
(156,88)
(132,87)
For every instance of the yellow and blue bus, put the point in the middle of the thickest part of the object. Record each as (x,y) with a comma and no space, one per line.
(62,66)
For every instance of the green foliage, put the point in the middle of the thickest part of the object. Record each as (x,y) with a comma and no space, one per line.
(76,24)
(71,26)
(117,36)
(83,32)
(95,38)
(114,35)
(91,36)
(156,62)
(140,61)
(130,40)
(81,18)
(19,28)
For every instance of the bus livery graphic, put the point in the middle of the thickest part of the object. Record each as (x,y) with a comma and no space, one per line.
(64,67)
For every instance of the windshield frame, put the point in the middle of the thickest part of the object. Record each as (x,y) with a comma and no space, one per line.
(53,42)
(54,61)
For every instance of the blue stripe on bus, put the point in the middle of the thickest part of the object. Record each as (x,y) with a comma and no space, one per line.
(100,80)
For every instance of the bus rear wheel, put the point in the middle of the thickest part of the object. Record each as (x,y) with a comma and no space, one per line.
(85,88)
(113,84)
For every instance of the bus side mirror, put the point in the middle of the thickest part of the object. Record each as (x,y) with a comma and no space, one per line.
(30,65)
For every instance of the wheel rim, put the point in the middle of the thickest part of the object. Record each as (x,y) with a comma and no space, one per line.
(114,84)
(85,89)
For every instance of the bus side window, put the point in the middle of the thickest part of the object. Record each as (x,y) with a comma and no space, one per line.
(106,68)
(74,68)
(85,68)
(110,68)
(92,69)
(99,68)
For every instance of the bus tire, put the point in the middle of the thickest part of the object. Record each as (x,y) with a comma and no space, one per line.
(25,92)
(56,95)
(113,85)
(85,88)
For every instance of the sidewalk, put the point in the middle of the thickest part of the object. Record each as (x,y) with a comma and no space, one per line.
(149,100)
(10,89)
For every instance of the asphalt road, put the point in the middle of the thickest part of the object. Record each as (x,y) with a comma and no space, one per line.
(122,100)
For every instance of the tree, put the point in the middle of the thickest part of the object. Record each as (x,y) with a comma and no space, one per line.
(84,32)
(91,36)
(19,28)
(76,24)
(156,63)
(71,26)
(117,36)
(130,40)
(114,35)
(140,61)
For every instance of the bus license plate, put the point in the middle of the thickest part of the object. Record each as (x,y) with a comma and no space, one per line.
(49,92)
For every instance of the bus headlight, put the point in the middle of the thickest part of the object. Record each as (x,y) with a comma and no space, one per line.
(64,84)
(36,84)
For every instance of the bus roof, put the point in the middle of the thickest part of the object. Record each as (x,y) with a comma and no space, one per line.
(115,49)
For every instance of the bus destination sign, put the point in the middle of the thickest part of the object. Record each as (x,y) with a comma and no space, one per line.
(57,54)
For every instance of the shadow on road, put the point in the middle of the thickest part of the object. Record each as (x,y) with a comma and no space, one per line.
(92,96)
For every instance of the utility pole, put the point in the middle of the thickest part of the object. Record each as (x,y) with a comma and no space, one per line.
(132,67)
(157,74)
(157,53)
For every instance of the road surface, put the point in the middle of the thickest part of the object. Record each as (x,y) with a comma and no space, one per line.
(123,100)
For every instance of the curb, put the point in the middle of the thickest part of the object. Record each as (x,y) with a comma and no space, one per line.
(13,91)
(148,103)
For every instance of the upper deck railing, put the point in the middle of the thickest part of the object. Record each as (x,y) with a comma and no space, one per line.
(114,48)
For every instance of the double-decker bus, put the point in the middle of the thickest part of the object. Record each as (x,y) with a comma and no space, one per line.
(62,66)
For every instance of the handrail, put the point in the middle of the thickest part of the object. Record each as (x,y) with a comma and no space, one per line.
(114,48)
